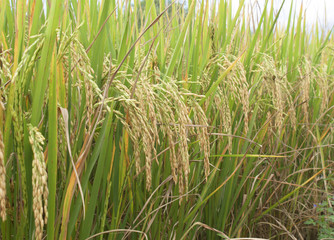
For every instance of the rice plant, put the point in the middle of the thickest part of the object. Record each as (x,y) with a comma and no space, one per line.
(162,120)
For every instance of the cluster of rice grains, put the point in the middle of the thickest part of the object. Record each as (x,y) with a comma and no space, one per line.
(306,73)
(16,108)
(3,214)
(225,126)
(159,109)
(2,179)
(203,136)
(80,70)
(183,121)
(237,84)
(39,181)
(279,89)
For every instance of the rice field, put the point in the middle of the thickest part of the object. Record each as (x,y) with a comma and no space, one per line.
(159,120)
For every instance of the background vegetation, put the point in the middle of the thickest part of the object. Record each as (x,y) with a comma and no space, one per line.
(123,120)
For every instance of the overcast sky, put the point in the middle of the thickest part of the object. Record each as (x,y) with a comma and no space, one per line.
(315,10)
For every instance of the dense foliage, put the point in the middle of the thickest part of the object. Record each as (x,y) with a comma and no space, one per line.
(122,120)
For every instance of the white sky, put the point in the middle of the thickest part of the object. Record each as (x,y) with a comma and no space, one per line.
(315,10)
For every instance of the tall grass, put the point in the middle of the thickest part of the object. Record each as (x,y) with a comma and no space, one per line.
(162,121)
